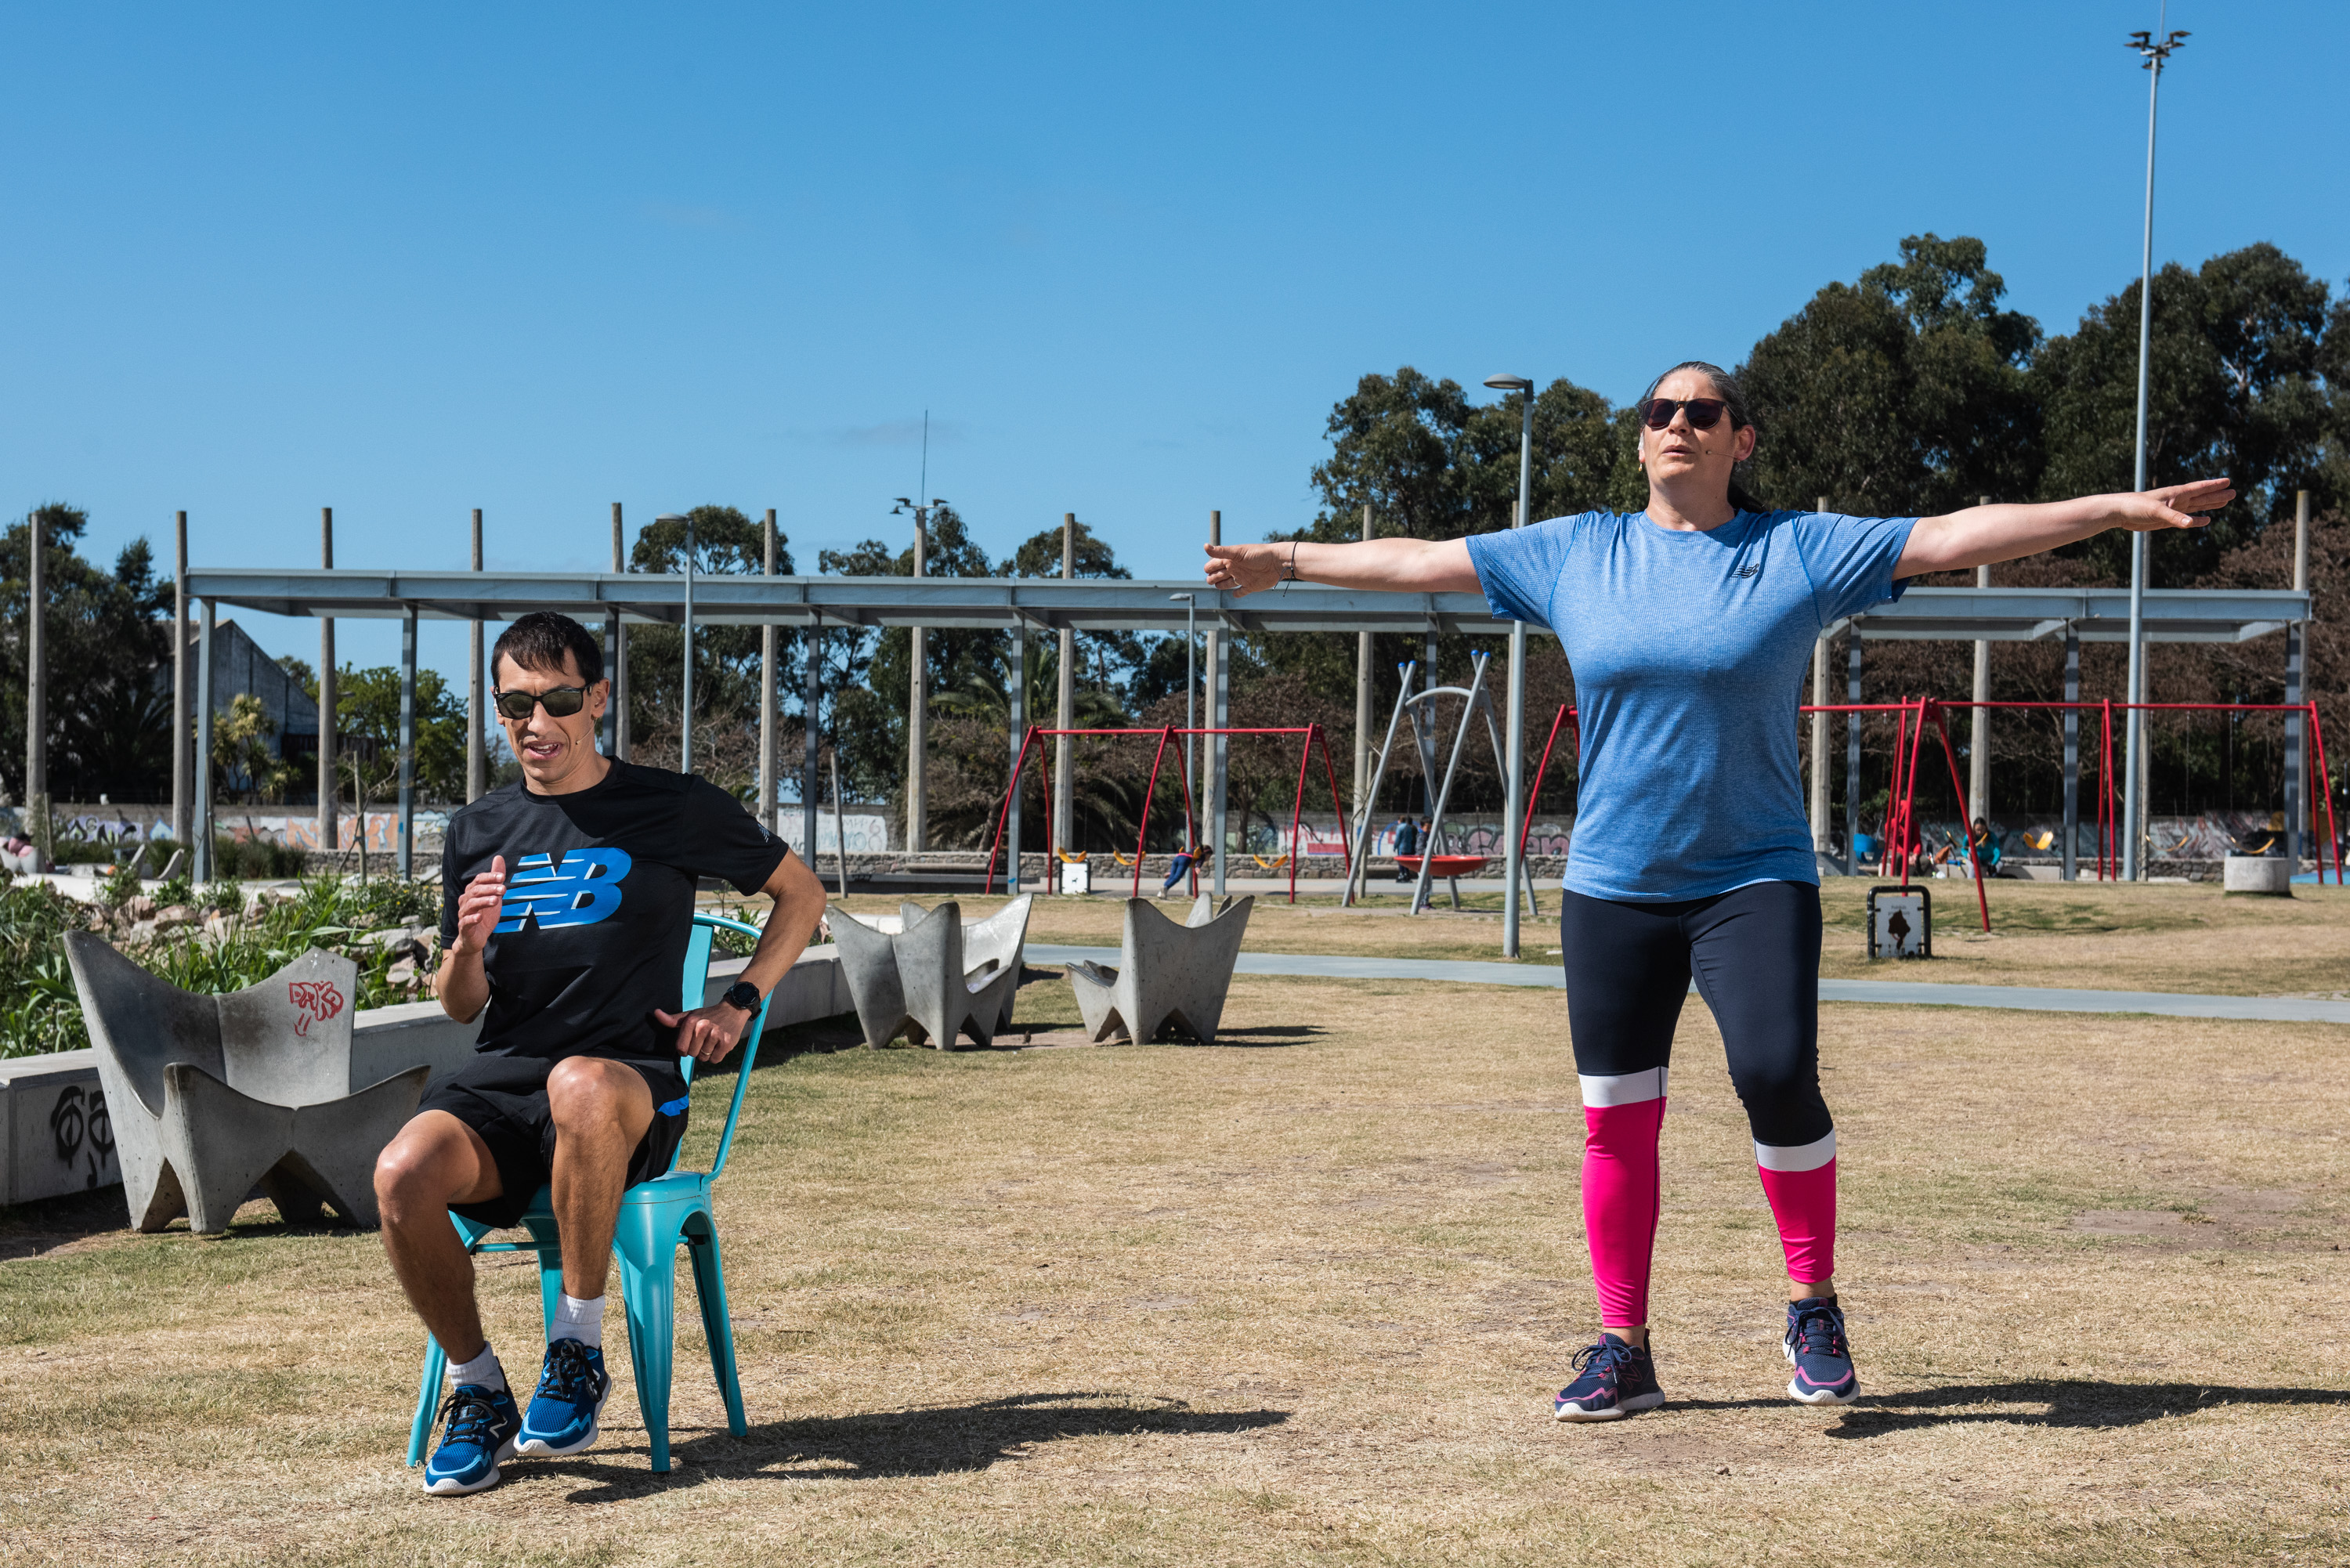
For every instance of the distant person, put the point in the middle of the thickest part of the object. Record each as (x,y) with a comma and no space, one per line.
(1983,845)
(1407,843)
(1688,627)
(1175,872)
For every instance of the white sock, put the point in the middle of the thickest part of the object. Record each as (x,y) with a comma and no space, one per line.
(482,1369)
(582,1321)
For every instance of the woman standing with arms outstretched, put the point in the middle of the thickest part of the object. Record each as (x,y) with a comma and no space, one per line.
(1688,627)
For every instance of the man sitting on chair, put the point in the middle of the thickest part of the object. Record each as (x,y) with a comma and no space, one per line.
(567,903)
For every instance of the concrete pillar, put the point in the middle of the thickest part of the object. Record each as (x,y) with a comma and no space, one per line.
(2072,748)
(1852,754)
(184,803)
(477,705)
(330,697)
(37,691)
(617,647)
(918,717)
(769,811)
(1064,711)
(407,744)
(1363,702)
(204,823)
(685,659)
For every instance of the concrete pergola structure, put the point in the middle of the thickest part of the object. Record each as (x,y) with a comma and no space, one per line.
(1023,605)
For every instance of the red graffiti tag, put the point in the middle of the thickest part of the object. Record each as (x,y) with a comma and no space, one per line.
(314,1001)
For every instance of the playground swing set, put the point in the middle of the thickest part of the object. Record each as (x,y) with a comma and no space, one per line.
(1032,741)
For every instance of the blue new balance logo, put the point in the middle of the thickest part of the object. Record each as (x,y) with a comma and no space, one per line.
(581,891)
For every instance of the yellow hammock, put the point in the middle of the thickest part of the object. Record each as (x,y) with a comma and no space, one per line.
(1121,860)
(1264,865)
(1078,859)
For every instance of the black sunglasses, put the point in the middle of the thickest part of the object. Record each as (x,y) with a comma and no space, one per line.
(560,702)
(1704,413)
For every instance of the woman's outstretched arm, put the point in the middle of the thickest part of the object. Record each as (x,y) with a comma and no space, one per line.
(1404,566)
(1981,535)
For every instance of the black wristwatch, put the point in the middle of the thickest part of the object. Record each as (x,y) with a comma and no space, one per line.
(743,994)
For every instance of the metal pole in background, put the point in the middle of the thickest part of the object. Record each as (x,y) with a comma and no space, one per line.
(2133,764)
(408,745)
(685,712)
(1362,702)
(204,823)
(37,695)
(1191,708)
(1823,841)
(1065,713)
(477,707)
(330,699)
(918,703)
(2072,748)
(1514,765)
(1016,707)
(770,786)
(1219,717)
(1979,721)
(2298,814)
(182,799)
(811,733)
(617,645)
(1210,651)
(1852,752)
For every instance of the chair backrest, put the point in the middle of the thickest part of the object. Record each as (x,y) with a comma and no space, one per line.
(138,1021)
(287,1039)
(695,983)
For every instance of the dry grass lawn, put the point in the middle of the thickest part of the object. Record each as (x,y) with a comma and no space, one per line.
(1301,1298)
(2177,938)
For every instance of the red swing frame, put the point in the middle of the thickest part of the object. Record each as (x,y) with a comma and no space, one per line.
(1168,735)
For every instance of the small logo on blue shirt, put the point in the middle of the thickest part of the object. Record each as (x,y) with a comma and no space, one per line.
(1746,571)
(583,890)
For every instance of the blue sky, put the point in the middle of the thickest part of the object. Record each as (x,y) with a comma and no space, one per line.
(416,260)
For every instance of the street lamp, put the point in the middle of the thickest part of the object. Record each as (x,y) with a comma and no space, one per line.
(1514,806)
(1190,712)
(2154,54)
(685,745)
(918,810)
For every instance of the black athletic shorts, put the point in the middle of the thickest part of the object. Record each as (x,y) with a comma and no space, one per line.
(503,1098)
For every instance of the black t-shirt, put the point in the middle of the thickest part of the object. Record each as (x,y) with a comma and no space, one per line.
(600,903)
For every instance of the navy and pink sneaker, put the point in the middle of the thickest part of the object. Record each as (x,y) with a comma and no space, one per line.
(1822,1356)
(1615,1380)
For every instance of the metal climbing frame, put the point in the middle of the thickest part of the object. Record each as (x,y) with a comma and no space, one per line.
(1168,735)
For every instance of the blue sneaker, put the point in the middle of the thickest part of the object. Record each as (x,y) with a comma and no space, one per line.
(571,1392)
(1617,1380)
(478,1429)
(1820,1354)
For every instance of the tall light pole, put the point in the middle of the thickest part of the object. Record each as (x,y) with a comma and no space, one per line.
(685,744)
(1514,814)
(2153,54)
(918,805)
(1191,703)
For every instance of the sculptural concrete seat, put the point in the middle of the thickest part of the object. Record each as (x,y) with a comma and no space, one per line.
(933,978)
(1165,973)
(212,1095)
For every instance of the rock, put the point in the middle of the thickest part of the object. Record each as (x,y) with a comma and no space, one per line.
(171,917)
(138,907)
(401,974)
(220,928)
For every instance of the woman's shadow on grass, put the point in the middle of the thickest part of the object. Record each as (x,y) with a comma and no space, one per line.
(931,1440)
(2069,1402)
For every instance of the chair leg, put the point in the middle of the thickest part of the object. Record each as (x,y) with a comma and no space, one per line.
(428,1394)
(648,1279)
(550,1267)
(709,1287)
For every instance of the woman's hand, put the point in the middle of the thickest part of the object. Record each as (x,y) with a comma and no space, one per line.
(1981,535)
(1245,568)
(2172,507)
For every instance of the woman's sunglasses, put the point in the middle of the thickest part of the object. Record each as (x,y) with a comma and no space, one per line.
(1704,413)
(560,702)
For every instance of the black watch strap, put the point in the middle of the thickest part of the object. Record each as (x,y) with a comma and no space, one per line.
(743,994)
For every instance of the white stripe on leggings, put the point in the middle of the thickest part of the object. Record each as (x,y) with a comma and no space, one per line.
(1796,1156)
(1623,1088)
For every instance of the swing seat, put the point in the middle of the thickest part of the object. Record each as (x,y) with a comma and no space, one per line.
(1445,865)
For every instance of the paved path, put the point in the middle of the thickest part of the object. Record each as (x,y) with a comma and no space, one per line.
(2029,998)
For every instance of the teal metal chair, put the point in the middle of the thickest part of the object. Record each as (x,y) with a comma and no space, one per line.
(657,1216)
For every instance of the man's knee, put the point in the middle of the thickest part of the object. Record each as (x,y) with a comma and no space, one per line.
(422,1169)
(583,1093)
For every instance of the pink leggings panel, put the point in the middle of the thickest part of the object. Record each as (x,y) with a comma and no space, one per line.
(1804,1202)
(1621,1195)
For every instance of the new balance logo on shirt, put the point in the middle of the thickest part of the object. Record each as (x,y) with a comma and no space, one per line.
(583,890)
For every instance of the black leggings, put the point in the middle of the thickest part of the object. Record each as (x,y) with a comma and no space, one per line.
(1755,952)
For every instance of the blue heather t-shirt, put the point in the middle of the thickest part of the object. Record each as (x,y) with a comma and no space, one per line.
(1689,651)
